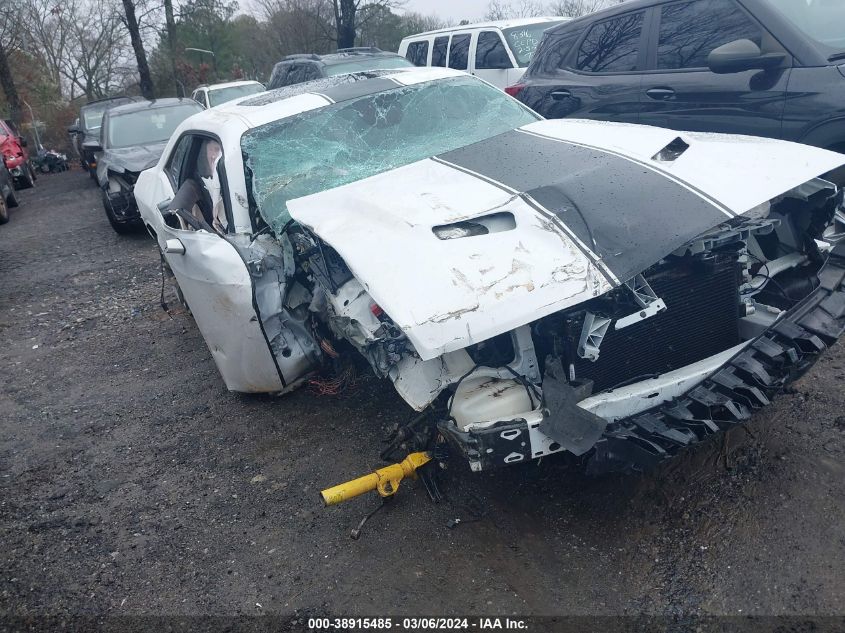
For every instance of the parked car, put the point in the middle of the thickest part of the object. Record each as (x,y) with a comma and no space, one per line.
(498,52)
(615,291)
(7,194)
(773,68)
(132,138)
(215,94)
(295,69)
(16,156)
(85,131)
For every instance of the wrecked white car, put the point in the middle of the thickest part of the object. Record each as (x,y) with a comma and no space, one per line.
(616,291)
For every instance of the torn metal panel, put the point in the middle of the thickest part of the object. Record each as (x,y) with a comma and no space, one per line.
(221,301)
(468,289)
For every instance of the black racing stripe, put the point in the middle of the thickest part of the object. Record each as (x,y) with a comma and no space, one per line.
(629,215)
(539,209)
(701,193)
(563,227)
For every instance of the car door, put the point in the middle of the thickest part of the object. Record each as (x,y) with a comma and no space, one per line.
(216,284)
(597,76)
(491,60)
(681,92)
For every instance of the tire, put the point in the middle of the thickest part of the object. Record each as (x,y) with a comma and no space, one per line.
(25,181)
(121,228)
(4,211)
(12,200)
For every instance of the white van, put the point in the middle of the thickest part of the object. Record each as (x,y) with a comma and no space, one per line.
(497,52)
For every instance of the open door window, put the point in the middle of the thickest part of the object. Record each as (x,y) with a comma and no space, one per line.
(237,288)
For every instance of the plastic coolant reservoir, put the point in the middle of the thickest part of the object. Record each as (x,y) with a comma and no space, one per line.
(486,399)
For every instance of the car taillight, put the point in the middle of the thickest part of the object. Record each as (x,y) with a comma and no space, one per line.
(514,89)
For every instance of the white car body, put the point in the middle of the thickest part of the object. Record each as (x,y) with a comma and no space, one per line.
(443,297)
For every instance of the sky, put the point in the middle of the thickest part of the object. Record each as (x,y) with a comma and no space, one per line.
(452,10)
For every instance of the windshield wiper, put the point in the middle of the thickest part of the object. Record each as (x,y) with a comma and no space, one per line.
(836,57)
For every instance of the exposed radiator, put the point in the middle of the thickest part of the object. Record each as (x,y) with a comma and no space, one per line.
(701,319)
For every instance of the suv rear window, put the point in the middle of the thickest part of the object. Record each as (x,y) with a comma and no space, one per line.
(689,31)
(612,45)
(417,53)
(459,51)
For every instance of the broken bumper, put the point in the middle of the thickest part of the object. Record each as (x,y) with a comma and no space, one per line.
(123,206)
(729,396)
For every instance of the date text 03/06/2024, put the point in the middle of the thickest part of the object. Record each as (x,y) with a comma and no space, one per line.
(420,624)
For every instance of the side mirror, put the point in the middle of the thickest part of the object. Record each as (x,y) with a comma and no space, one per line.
(73,129)
(741,55)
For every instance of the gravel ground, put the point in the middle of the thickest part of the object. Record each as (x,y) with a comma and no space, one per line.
(133,483)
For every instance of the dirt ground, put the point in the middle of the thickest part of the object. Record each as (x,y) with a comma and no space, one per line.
(132,482)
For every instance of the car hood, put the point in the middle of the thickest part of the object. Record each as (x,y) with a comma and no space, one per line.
(134,159)
(572,209)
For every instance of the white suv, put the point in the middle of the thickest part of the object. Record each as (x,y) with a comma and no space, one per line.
(497,52)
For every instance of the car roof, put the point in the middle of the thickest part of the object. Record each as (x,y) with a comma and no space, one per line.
(500,24)
(137,106)
(343,55)
(231,119)
(107,99)
(228,84)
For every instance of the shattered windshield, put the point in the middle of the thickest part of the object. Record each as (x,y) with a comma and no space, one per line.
(523,40)
(222,95)
(352,140)
(369,63)
(151,125)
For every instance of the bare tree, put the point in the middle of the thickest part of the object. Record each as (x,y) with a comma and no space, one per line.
(9,25)
(576,8)
(131,22)
(502,10)
(346,17)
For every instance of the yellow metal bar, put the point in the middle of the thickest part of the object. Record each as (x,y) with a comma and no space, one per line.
(384,480)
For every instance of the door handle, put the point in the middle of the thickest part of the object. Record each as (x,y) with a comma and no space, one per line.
(174,247)
(660,94)
(557,95)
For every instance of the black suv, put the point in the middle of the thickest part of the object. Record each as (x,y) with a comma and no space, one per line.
(772,68)
(295,69)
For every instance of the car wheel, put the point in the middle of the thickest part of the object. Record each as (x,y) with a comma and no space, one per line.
(26,181)
(121,228)
(12,200)
(4,211)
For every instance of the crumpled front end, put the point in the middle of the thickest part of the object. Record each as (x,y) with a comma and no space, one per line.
(119,194)
(541,295)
